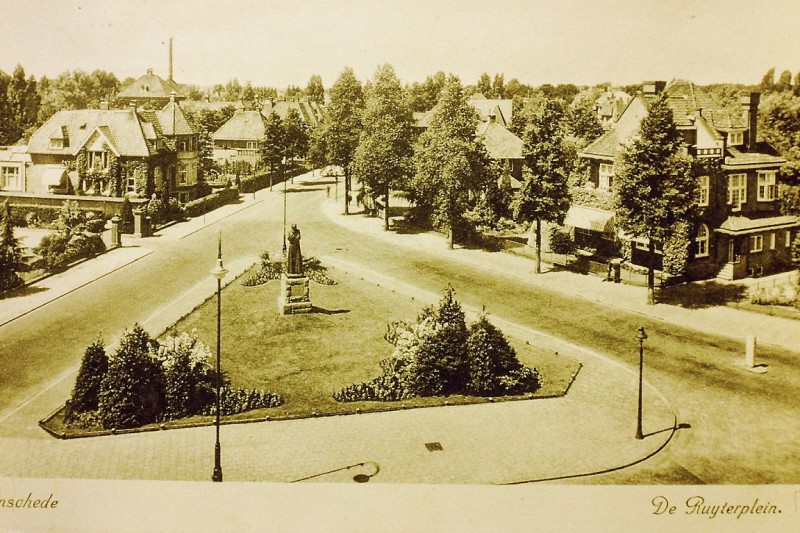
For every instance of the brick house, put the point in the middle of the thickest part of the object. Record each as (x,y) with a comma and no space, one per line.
(114,153)
(740,231)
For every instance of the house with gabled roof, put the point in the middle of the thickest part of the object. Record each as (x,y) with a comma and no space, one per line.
(241,138)
(503,146)
(311,112)
(115,152)
(740,231)
(500,108)
(150,90)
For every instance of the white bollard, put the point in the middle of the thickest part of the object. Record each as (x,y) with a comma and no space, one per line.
(750,351)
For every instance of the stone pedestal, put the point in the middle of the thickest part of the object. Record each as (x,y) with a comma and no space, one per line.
(294,298)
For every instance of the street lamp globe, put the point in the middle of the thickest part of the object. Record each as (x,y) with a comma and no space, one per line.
(219,271)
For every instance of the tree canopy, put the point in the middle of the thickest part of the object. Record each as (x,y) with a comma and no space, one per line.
(315,91)
(655,190)
(544,195)
(383,157)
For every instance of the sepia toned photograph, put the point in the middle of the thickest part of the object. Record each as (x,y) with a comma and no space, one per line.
(399,265)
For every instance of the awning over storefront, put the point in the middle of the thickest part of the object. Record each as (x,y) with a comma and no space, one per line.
(744,225)
(590,218)
(54,176)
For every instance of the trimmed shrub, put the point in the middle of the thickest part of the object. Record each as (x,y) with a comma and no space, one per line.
(130,394)
(437,355)
(187,375)
(86,394)
(493,365)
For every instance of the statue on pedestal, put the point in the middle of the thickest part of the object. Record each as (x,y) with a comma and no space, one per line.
(294,260)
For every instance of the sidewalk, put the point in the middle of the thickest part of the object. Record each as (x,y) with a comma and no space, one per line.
(724,321)
(40,293)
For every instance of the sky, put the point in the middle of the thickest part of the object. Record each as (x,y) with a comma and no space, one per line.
(282,42)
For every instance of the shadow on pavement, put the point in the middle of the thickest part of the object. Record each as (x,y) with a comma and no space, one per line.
(701,295)
(323,311)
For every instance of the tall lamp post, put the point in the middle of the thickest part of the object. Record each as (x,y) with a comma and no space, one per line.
(283,175)
(218,272)
(640,336)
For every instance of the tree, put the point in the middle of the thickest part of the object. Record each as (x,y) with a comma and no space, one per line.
(485,85)
(130,393)
(423,96)
(545,194)
(582,121)
(498,86)
(249,96)
(205,153)
(187,375)
(76,90)
(655,189)
(383,158)
(233,90)
(315,91)
(273,152)
(21,107)
(449,160)
(342,127)
(296,135)
(784,82)
(10,252)
(86,394)
(768,81)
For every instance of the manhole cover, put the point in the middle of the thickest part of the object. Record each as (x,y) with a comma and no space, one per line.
(434,446)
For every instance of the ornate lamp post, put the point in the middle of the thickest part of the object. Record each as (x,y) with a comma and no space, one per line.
(218,272)
(640,336)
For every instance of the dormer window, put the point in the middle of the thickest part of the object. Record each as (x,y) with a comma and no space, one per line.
(735,138)
(56,144)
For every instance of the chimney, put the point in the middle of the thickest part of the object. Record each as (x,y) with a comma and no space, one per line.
(653,87)
(149,72)
(170,59)
(492,118)
(104,105)
(749,104)
(172,96)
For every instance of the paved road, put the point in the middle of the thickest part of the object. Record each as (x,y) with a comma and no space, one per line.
(732,414)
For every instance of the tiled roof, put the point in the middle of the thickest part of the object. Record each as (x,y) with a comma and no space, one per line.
(243,125)
(150,86)
(488,107)
(740,225)
(499,142)
(122,127)
(307,112)
(605,146)
(172,115)
(765,155)
(687,101)
(14,154)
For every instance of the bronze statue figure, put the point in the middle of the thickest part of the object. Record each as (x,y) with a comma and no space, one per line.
(294,261)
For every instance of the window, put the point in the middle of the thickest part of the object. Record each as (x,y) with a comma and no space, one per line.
(183,145)
(606,176)
(98,160)
(182,175)
(701,241)
(737,190)
(735,138)
(772,241)
(788,241)
(56,144)
(703,184)
(756,243)
(767,190)
(642,244)
(252,145)
(10,179)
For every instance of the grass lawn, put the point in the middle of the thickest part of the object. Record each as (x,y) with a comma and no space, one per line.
(306,358)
